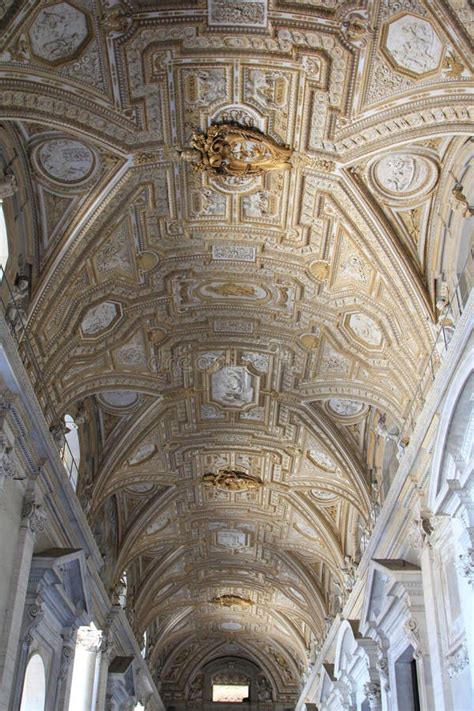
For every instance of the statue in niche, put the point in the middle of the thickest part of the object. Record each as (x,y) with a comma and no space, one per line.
(264,690)
(349,570)
(195,688)
(231,150)
(8,185)
(459,200)
(16,313)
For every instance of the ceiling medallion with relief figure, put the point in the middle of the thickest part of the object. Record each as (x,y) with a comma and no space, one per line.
(232,480)
(232,601)
(231,150)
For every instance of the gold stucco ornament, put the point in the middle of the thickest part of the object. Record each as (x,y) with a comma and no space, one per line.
(231,150)
(231,601)
(232,480)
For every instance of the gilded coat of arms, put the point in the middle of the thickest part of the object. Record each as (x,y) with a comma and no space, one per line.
(231,150)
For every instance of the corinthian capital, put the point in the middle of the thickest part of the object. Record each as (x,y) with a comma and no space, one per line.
(372,693)
(8,461)
(34,517)
(90,638)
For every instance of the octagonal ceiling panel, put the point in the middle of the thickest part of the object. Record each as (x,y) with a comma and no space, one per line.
(58,32)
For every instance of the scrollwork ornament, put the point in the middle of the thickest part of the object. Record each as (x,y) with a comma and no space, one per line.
(412,632)
(382,668)
(34,517)
(35,615)
(67,655)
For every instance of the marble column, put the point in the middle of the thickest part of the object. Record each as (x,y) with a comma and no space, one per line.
(86,668)
(107,651)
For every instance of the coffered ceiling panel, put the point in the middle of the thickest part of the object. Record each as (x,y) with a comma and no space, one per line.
(230,339)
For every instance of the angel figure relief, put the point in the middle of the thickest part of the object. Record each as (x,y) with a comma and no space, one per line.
(231,150)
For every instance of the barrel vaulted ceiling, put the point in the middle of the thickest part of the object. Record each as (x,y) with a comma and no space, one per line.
(195,324)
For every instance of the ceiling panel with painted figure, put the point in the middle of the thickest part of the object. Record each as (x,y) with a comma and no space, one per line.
(241,211)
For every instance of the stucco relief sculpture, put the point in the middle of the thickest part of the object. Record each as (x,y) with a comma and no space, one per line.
(402,175)
(250,13)
(230,150)
(366,329)
(8,185)
(345,408)
(232,480)
(58,32)
(99,317)
(65,160)
(413,45)
(232,386)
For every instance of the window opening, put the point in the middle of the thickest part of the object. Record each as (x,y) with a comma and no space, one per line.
(3,238)
(230,693)
(33,697)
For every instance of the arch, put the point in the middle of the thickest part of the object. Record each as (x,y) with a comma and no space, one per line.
(33,696)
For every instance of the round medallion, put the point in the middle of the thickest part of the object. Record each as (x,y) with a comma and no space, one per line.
(322,495)
(322,460)
(140,488)
(345,408)
(118,399)
(401,175)
(65,160)
(143,452)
